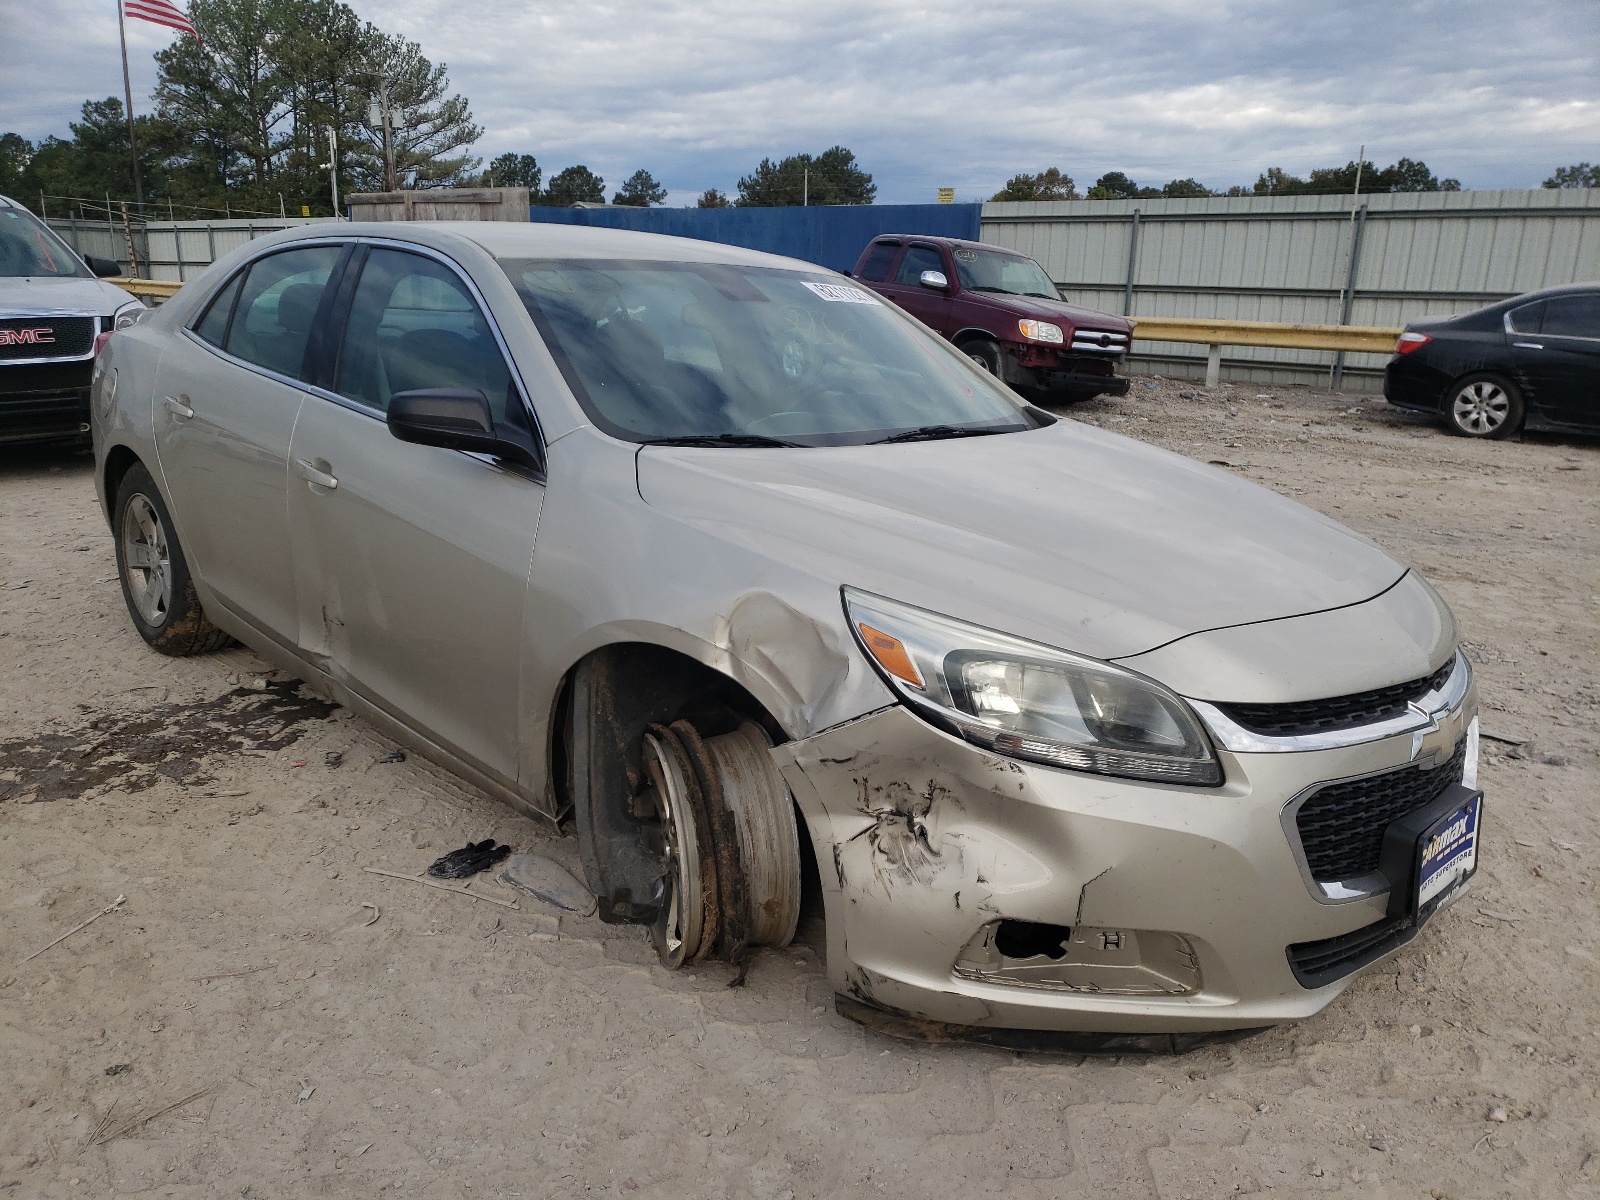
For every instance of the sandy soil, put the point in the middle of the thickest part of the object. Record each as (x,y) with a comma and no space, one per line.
(452,1048)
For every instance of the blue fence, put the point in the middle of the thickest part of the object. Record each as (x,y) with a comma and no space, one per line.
(831,235)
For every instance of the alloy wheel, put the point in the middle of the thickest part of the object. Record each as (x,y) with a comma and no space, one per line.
(679,929)
(1481,407)
(147,561)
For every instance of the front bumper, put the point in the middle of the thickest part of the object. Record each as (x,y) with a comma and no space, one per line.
(924,842)
(1075,376)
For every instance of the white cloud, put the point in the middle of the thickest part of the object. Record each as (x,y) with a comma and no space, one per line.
(939,92)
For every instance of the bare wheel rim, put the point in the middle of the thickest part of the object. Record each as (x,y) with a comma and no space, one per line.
(1481,407)
(982,362)
(678,930)
(147,561)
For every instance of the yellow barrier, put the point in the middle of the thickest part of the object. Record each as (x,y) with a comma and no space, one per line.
(160,289)
(1368,339)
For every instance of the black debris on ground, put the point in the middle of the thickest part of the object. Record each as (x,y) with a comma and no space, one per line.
(469,860)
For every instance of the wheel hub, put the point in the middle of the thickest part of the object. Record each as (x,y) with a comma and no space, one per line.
(147,560)
(1481,407)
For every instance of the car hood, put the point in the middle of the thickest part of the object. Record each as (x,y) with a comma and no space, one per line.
(46,296)
(1055,311)
(1067,534)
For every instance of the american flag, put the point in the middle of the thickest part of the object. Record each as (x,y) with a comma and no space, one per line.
(160,12)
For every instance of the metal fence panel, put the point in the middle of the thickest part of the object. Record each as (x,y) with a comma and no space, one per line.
(832,235)
(171,250)
(1287,258)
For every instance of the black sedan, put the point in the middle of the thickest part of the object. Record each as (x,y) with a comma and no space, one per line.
(1531,362)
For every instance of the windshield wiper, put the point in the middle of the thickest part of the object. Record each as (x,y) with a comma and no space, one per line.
(720,439)
(1002,291)
(933,433)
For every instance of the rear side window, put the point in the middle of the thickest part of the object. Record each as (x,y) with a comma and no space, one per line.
(876,268)
(413,325)
(919,259)
(1528,318)
(1572,316)
(213,327)
(279,301)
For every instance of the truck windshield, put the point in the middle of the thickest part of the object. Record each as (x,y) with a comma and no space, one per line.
(739,356)
(28,247)
(988,271)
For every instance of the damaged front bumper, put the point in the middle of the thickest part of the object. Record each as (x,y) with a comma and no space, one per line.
(1183,903)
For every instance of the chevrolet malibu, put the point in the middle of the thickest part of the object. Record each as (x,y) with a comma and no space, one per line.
(749,578)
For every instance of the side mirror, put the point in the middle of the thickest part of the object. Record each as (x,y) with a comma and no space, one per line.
(935,280)
(456,419)
(104,268)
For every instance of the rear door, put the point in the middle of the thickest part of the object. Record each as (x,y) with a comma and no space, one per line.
(413,560)
(1556,345)
(228,391)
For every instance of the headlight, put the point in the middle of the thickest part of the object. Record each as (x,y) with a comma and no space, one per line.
(1030,701)
(128,316)
(1042,331)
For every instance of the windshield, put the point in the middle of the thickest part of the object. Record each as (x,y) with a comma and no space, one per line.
(987,271)
(28,247)
(659,351)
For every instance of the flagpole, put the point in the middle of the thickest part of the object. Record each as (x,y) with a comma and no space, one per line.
(127,91)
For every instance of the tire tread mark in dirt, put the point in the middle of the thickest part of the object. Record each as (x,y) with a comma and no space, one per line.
(135,750)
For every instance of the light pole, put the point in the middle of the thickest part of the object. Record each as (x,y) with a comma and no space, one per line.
(381,115)
(333,168)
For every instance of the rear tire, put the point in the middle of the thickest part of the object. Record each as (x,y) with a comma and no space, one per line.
(155,578)
(1483,406)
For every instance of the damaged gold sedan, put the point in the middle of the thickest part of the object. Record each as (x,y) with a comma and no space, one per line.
(758,583)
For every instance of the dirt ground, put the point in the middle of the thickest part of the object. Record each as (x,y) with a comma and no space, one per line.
(262,1018)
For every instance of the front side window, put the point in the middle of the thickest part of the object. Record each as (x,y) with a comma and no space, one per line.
(993,271)
(414,326)
(28,247)
(917,260)
(876,268)
(1572,316)
(660,351)
(213,327)
(272,320)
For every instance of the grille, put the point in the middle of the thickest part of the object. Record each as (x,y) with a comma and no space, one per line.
(1316,964)
(69,337)
(1097,341)
(1341,826)
(1337,712)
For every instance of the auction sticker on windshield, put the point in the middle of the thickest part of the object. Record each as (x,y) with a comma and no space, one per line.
(1449,851)
(839,294)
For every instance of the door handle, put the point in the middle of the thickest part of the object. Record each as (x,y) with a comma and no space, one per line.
(311,474)
(178,407)
(1528,345)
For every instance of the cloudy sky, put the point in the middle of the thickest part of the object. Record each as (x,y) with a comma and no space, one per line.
(953,94)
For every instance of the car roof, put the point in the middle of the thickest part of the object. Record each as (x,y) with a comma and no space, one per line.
(953,243)
(1564,289)
(535,239)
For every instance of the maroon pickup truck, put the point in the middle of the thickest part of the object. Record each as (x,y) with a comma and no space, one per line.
(1003,310)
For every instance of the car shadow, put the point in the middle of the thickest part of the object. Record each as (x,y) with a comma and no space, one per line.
(25,459)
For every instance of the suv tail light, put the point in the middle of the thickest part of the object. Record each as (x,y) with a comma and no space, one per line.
(1411,341)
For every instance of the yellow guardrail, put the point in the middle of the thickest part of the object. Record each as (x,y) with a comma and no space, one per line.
(157,289)
(1214,334)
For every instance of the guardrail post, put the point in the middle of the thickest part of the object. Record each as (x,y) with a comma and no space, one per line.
(1213,365)
(1133,261)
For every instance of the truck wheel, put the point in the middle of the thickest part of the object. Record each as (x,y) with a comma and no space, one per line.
(985,354)
(154,573)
